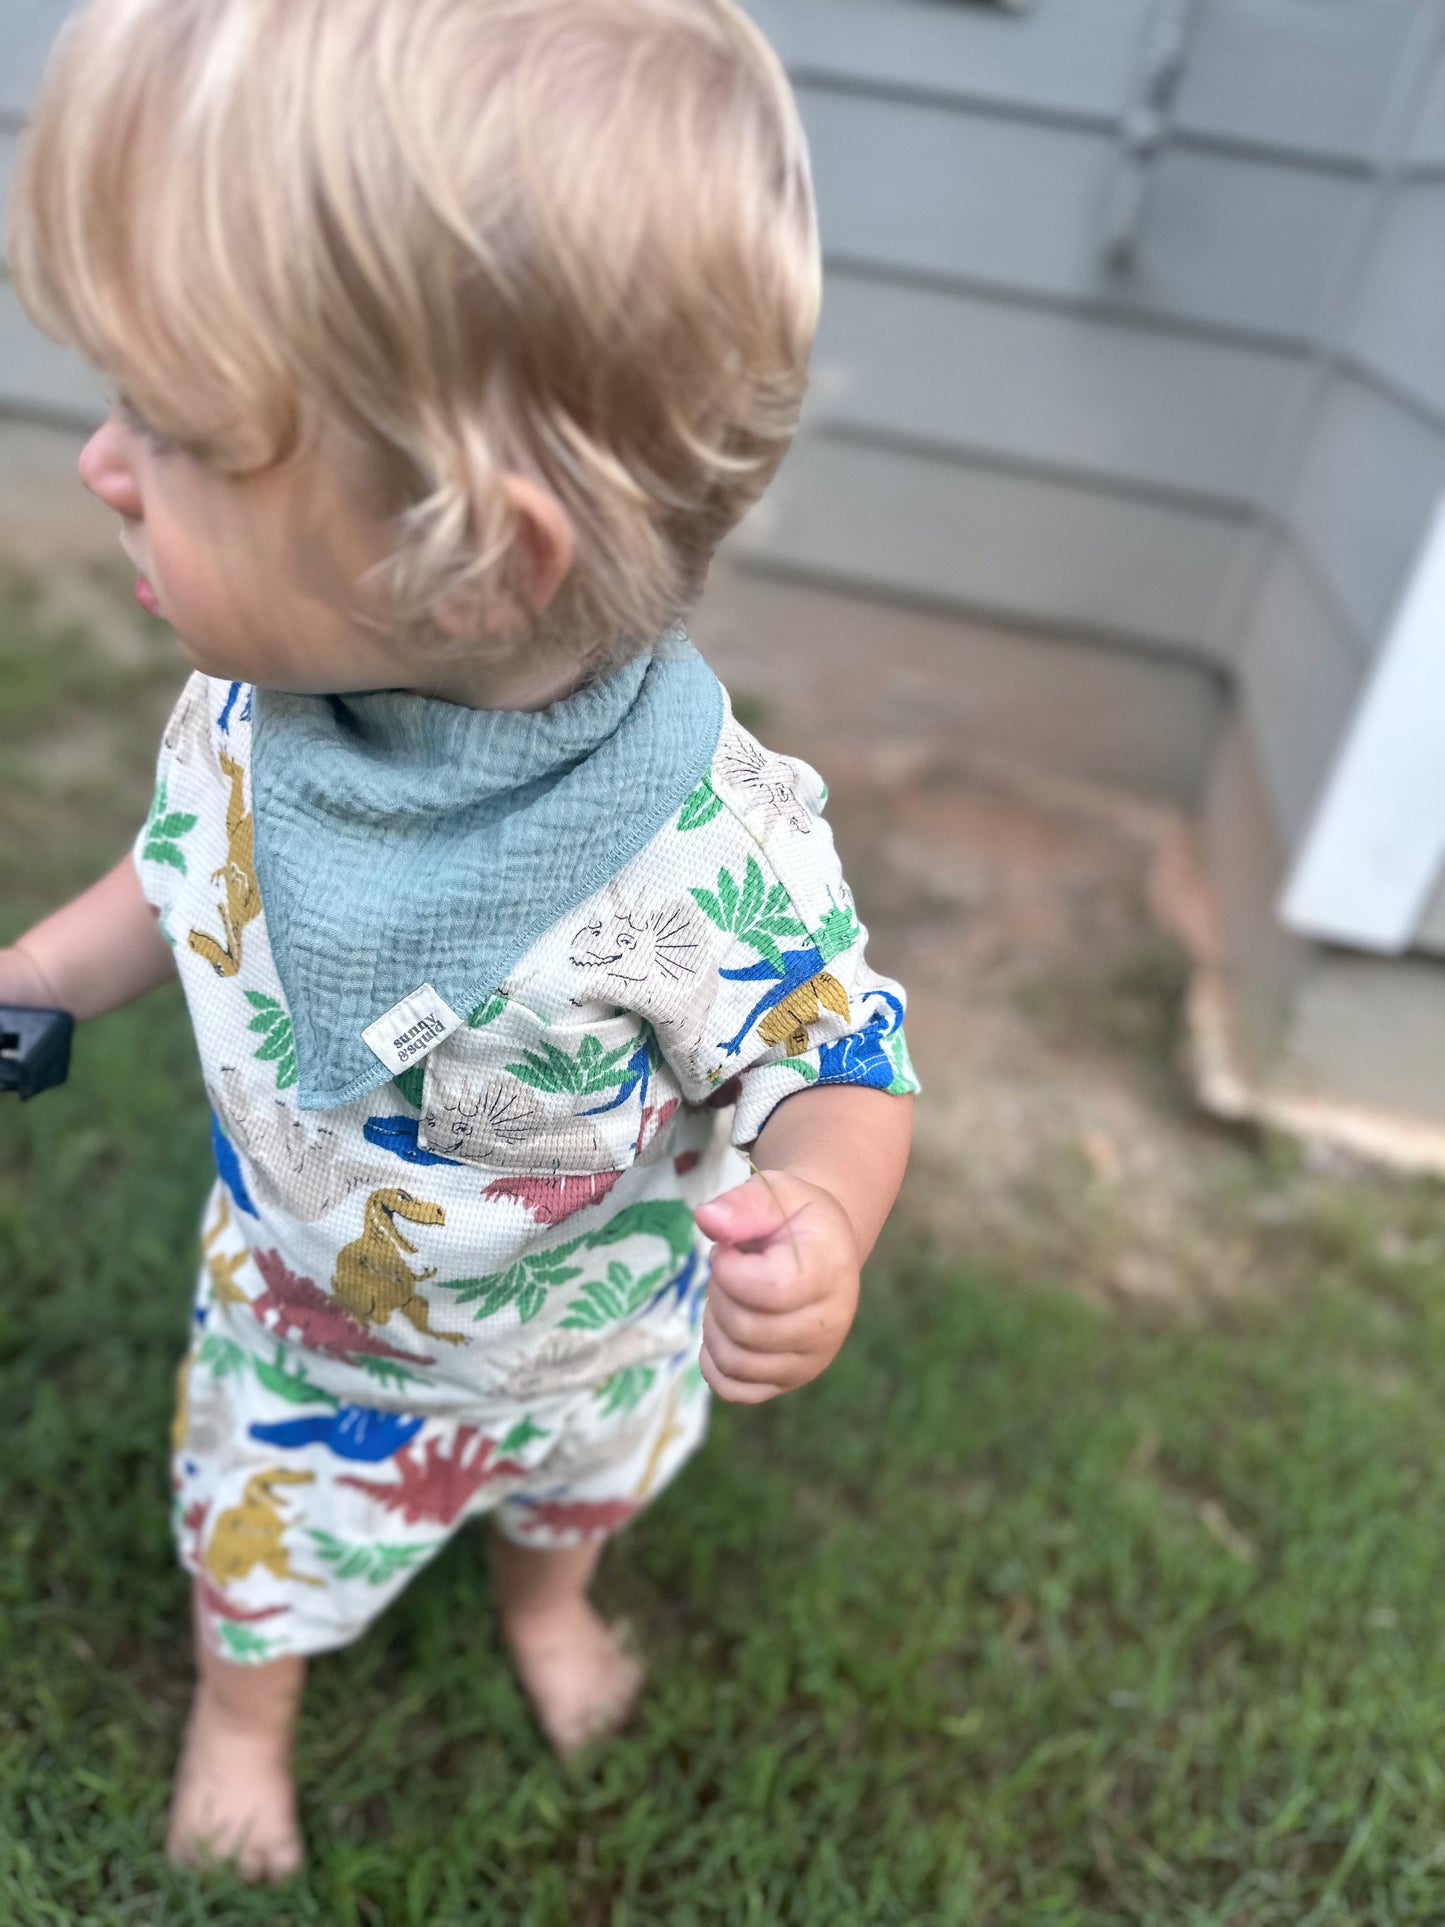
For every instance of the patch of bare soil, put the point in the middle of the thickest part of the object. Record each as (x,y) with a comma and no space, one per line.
(1057,1136)
(1057,1130)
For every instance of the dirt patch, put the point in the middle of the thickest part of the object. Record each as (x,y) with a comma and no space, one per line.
(1057,1130)
(1058,1135)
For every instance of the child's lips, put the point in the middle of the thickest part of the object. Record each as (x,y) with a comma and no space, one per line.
(146,596)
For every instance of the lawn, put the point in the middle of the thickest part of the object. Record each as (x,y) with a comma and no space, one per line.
(1033,1610)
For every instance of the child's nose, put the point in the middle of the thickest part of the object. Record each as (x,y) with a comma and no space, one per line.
(106,471)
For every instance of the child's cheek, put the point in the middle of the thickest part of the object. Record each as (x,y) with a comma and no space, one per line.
(192,600)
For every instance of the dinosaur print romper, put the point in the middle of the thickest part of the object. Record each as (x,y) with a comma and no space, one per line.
(479,1288)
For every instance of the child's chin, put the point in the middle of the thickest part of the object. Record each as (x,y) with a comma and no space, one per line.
(210,662)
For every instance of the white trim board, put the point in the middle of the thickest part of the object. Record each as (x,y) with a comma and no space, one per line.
(1376,844)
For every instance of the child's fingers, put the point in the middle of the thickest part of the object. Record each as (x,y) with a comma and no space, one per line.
(749,1214)
(802,1331)
(774,1280)
(738,1391)
(748,1364)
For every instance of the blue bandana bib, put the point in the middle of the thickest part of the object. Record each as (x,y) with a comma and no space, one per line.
(401,841)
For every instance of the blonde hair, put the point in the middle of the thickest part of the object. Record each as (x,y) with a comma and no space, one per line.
(568,239)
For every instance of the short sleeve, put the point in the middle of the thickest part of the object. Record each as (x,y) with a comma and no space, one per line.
(775,992)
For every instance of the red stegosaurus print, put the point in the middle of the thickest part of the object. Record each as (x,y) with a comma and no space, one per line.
(438,1486)
(305,1313)
(579,1515)
(550,1200)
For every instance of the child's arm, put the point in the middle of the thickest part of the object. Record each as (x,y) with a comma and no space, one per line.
(790,1242)
(101,950)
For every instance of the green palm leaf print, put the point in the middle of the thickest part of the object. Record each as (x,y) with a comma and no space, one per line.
(702,805)
(241,1642)
(412,1083)
(625,1388)
(293,1386)
(592,1069)
(522,1433)
(163,832)
(692,1383)
(618,1295)
(279,1047)
(385,1371)
(526,1283)
(221,1355)
(905,1080)
(838,932)
(375,1563)
(750,911)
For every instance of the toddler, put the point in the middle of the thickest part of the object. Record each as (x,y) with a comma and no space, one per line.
(448,338)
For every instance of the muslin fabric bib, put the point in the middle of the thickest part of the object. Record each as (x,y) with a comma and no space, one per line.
(401,840)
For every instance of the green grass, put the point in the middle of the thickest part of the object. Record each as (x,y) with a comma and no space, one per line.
(1025,1612)
(1028,1612)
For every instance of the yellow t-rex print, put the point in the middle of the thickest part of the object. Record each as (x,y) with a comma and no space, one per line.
(372,1277)
(220,1269)
(787,1022)
(243,896)
(249,1534)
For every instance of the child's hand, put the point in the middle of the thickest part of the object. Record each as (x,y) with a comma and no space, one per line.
(784,1286)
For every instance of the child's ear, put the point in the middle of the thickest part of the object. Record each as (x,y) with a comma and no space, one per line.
(544,541)
(543,555)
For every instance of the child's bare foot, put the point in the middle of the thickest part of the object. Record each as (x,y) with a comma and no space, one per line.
(233,1798)
(577,1670)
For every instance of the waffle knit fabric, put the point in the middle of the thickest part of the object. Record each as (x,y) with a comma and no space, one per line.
(477,1285)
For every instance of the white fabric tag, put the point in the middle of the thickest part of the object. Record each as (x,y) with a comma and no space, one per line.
(411,1028)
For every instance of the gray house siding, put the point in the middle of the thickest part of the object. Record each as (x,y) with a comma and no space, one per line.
(1096,398)
(1371,468)
(27,28)
(1005,421)
(1230,449)
(1400,333)
(998,541)
(37,379)
(1302,667)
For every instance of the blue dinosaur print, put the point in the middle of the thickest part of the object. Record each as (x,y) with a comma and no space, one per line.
(352,1432)
(678,1286)
(860,1058)
(229,1167)
(639,1071)
(399,1134)
(691,1285)
(799,968)
(223,721)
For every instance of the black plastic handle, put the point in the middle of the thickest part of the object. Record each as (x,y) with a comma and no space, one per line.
(34,1048)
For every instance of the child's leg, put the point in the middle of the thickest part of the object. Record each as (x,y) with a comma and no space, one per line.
(233,1797)
(577,1673)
